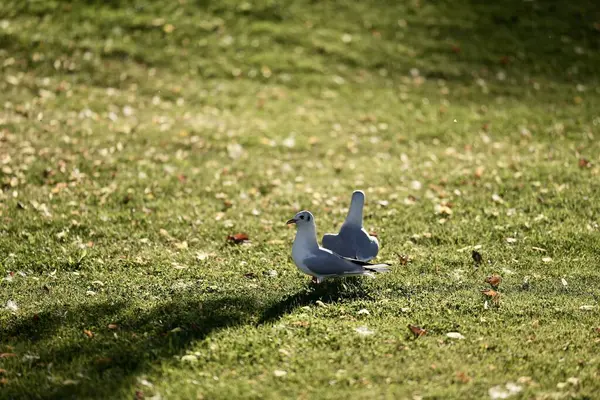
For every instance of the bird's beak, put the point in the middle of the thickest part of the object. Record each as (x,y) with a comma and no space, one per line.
(291,221)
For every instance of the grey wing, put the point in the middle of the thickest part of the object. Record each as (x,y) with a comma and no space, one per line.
(339,244)
(358,243)
(330,241)
(367,246)
(327,263)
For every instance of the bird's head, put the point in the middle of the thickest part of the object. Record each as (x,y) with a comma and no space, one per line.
(302,218)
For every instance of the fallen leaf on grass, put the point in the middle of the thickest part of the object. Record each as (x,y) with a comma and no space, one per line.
(491,293)
(178,266)
(88,333)
(494,280)
(443,209)
(363,331)
(238,238)
(499,392)
(564,282)
(479,172)
(2,371)
(464,378)
(112,326)
(7,355)
(201,256)
(583,163)
(164,232)
(547,259)
(279,373)
(417,330)
(587,308)
(12,306)
(3,381)
(189,358)
(182,245)
(271,273)
(455,335)
(404,259)
(497,198)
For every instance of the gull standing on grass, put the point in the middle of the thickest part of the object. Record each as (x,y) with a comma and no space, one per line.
(322,263)
(353,241)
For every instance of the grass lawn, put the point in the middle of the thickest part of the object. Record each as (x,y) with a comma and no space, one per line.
(135,136)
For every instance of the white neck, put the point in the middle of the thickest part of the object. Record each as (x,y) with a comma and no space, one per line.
(306,237)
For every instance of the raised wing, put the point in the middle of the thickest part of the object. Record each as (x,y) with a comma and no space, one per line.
(339,245)
(363,246)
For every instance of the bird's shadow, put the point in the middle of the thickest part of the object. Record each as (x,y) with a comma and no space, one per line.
(344,289)
(101,349)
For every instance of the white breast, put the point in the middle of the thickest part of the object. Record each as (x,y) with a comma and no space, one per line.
(300,251)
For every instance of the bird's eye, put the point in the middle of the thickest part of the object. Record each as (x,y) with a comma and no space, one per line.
(302,217)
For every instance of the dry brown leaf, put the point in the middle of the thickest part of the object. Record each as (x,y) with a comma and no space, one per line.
(479,172)
(494,295)
(7,355)
(3,381)
(404,259)
(584,163)
(2,371)
(103,360)
(238,238)
(88,333)
(494,280)
(464,378)
(112,326)
(417,330)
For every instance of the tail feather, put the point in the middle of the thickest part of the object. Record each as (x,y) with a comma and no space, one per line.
(377,267)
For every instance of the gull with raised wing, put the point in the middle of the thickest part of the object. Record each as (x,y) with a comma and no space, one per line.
(353,241)
(321,263)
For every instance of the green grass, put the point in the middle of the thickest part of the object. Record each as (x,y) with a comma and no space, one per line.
(121,178)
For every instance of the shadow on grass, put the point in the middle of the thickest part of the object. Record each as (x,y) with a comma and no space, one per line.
(553,40)
(73,365)
(327,292)
(70,352)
